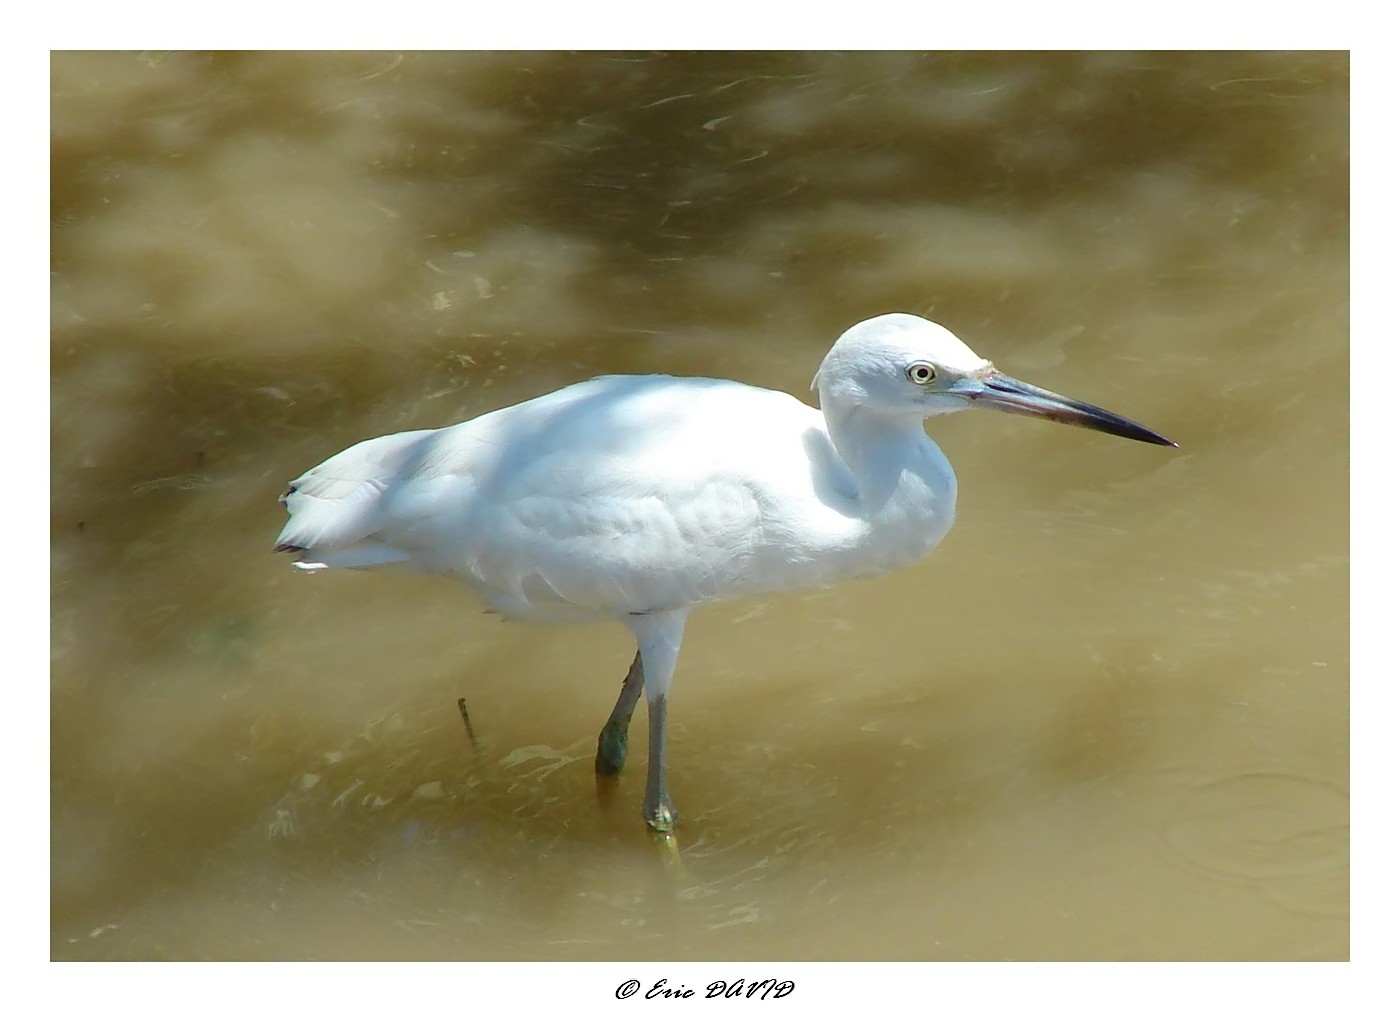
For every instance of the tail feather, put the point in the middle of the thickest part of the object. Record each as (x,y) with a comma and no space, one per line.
(336,508)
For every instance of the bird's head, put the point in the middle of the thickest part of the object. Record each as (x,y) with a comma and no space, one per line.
(899,364)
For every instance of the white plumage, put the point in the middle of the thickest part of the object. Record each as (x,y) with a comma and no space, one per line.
(636,498)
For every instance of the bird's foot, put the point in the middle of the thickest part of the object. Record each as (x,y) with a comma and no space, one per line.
(612,750)
(661,815)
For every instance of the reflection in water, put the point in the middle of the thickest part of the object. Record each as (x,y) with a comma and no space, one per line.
(1092,725)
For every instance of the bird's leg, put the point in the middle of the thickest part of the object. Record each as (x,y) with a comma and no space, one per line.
(658,643)
(612,740)
(656,806)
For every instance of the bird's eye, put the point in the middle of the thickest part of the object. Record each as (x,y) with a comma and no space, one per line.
(921,373)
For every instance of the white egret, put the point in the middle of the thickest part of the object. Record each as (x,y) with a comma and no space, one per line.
(636,498)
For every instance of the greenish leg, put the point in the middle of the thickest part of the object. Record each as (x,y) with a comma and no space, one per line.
(612,740)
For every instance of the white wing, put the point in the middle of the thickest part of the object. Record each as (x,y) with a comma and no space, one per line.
(620,494)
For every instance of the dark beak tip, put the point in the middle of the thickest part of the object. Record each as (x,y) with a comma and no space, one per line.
(1157,440)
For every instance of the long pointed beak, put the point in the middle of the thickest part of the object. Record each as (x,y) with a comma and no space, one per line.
(1000,392)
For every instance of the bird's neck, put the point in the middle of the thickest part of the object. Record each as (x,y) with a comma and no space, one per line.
(889,455)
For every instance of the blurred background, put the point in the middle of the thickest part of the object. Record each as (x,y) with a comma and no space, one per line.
(1107,719)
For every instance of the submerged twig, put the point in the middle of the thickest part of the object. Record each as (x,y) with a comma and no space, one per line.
(467,722)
